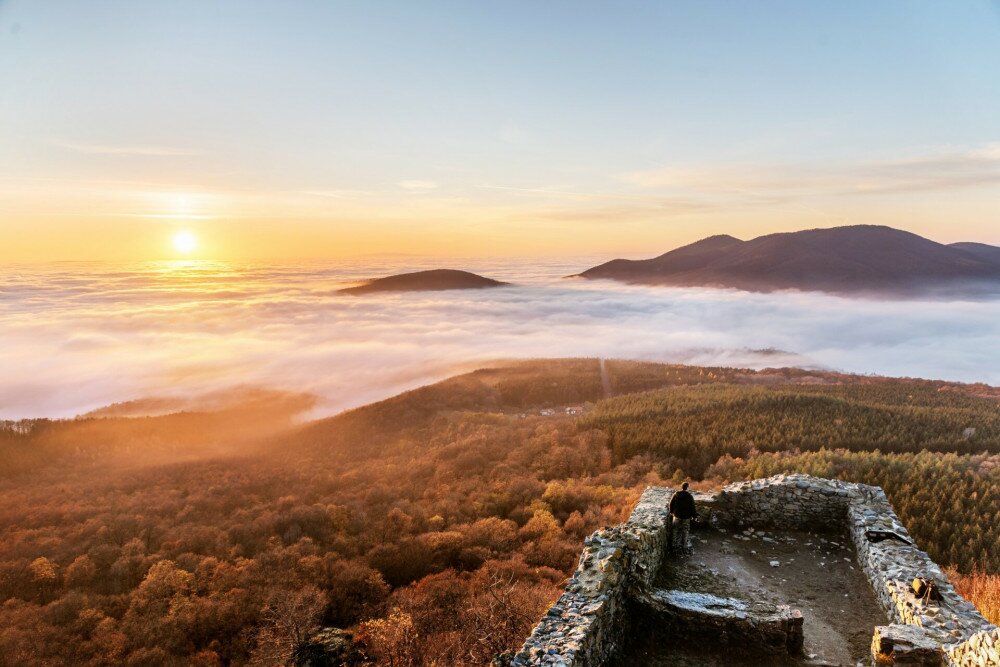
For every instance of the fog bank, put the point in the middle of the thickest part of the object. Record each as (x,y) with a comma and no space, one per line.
(74,337)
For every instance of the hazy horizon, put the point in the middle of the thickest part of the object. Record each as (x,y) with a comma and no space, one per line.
(77,338)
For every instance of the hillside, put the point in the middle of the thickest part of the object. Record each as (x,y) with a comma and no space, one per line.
(439,524)
(432,280)
(989,253)
(853,259)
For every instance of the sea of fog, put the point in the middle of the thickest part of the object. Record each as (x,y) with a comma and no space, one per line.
(74,337)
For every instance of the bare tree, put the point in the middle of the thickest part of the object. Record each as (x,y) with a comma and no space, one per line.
(289,619)
(501,614)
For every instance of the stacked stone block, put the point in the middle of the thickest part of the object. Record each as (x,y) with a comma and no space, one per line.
(981,650)
(784,502)
(769,629)
(587,624)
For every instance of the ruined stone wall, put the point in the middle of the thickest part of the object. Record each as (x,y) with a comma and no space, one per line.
(891,566)
(587,624)
(982,650)
(785,502)
(890,563)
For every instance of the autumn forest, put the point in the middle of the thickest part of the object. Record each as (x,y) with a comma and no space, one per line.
(435,526)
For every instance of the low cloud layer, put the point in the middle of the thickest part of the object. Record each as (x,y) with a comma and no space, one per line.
(77,337)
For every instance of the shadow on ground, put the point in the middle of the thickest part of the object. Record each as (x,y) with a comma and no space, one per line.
(816,573)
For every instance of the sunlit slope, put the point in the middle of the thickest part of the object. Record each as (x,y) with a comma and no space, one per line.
(223,423)
(695,413)
(700,424)
(698,413)
(509,387)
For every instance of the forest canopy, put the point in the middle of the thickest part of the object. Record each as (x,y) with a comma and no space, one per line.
(437,525)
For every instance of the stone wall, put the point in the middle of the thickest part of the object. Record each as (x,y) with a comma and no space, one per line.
(587,624)
(771,630)
(891,565)
(785,502)
(981,650)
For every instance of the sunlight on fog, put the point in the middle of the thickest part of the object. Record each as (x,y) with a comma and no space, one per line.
(188,326)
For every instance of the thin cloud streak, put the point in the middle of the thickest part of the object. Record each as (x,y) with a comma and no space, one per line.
(632,208)
(418,185)
(138,151)
(934,171)
(653,210)
(338,194)
(564,193)
(169,216)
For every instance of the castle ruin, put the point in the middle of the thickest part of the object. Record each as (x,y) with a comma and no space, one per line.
(629,591)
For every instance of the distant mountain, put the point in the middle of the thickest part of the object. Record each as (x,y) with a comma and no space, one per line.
(853,259)
(989,253)
(435,279)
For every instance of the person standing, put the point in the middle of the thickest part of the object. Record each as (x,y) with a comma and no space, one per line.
(682,510)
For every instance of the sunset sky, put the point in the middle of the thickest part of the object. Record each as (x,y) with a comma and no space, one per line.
(287,130)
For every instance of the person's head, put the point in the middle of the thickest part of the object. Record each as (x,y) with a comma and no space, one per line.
(684,486)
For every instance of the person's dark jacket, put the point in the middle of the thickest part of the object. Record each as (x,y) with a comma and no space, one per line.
(682,505)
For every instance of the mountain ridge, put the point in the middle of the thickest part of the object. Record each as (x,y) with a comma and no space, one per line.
(848,259)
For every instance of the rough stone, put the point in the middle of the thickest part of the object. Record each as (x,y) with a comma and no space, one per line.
(588,624)
(757,627)
(906,645)
(980,650)
(329,647)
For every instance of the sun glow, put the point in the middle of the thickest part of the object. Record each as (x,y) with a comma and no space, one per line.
(185,242)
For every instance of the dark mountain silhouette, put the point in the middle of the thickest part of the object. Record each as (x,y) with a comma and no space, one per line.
(989,253)
(861,258)
(435,279)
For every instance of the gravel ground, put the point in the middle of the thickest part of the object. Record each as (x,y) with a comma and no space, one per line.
(815,573)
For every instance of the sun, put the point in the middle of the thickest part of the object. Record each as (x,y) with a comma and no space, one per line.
(185,242)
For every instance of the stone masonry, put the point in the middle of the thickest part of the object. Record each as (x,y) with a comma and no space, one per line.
(587,625)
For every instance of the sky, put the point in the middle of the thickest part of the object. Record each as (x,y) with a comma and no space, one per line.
(313,130)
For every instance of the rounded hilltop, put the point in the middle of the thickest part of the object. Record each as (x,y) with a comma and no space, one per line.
(420,281)
(853,259)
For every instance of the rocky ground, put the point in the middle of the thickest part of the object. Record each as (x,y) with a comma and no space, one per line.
(814,573)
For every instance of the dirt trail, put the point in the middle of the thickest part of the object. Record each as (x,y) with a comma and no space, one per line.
(605,380)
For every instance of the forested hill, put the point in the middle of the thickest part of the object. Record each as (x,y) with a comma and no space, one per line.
(419,281)
(439,524)
(773,409)
(850,259)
